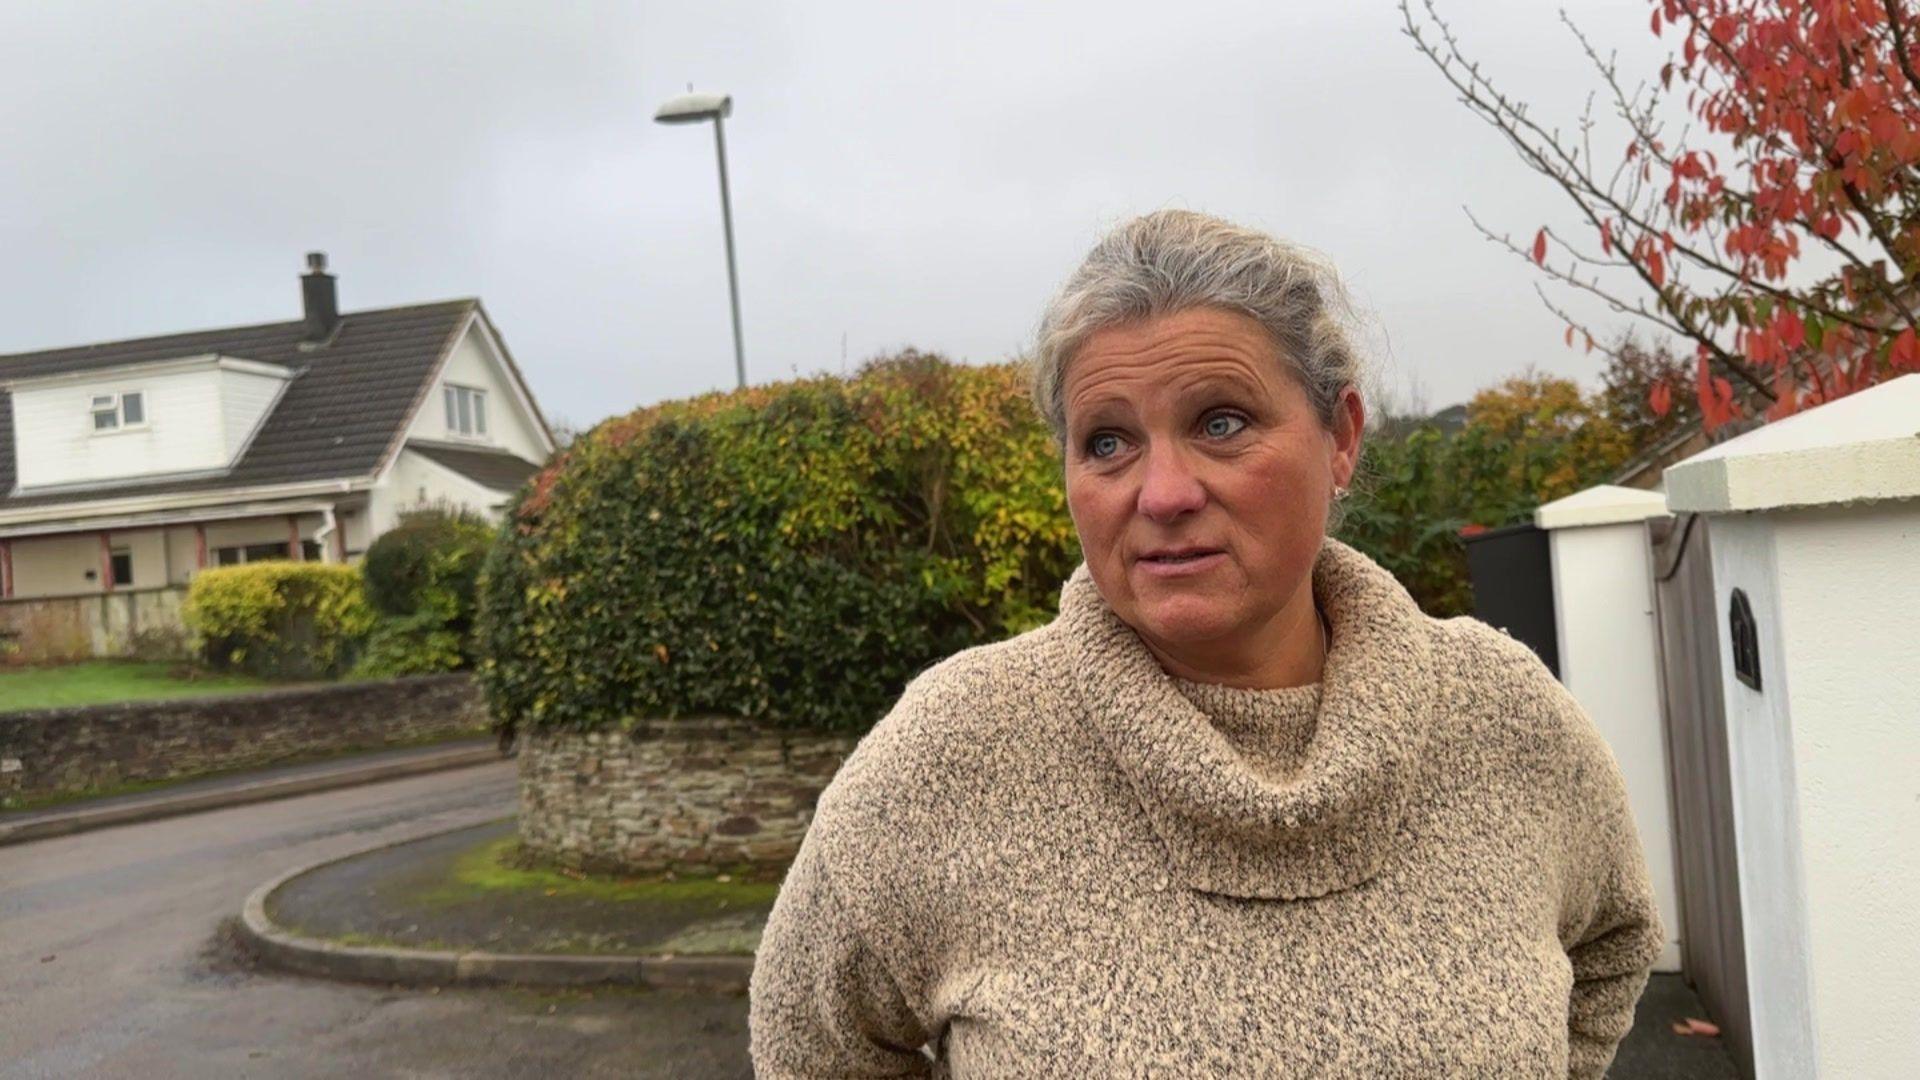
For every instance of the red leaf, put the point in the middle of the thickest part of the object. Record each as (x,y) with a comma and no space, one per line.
(1656,269)
(1661,399)
(1569,335)
(1540,248)
(1606,237)
(1703,387)
(1906,350)
(1791,331)
(1656,24)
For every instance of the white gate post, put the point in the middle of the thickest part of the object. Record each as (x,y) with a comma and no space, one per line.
(1816,575)
(1609,659)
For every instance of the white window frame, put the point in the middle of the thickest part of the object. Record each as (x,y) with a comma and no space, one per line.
(116,406)
(468,403)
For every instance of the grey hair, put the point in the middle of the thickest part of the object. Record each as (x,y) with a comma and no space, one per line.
(1175,260)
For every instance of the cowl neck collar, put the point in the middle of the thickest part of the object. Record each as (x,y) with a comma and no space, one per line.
(1231,823)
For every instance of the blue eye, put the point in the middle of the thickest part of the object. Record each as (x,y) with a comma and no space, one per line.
(1103,444)
(1222,425)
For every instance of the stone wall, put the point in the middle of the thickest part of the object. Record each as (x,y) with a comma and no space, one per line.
(693,796)
(65,751)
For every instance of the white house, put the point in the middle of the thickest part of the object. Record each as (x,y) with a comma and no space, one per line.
(129,465)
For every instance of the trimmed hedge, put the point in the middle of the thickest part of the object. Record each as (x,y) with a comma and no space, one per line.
(792,553)
(421,577)
(281,620)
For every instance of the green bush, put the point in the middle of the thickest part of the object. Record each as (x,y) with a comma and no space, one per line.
(1527,441)
(430,554)
(289,620)
(793,553)
(421,577)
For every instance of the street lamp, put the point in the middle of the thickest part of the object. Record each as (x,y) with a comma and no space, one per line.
(692,109)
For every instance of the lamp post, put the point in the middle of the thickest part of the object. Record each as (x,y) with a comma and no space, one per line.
(692,109)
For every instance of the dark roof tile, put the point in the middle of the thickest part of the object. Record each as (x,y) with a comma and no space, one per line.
(493,469)
(336,420)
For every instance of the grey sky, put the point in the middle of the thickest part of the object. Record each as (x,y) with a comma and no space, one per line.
(904,173)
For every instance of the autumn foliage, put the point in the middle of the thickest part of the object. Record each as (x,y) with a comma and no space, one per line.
(1779,232)
(792,552)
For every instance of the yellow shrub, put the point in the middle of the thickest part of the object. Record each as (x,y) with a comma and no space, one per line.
(279,619)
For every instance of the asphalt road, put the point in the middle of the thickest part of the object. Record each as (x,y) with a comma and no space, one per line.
(114,962)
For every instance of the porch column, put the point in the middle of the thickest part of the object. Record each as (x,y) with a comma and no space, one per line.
(293,537)
(199,547)
(106,562)
(6,569)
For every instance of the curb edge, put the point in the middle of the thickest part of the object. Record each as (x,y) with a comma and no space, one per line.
(280,948)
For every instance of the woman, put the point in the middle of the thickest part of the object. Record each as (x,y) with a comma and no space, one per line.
(1241,809)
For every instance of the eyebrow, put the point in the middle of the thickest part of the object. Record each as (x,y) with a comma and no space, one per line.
(1214,382)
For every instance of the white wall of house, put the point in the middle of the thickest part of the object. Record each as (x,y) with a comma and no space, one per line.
(196,418)
(182,552)
(355,535)
(253,532)
(244,400)
(55,565)
(474,362)
(59,565)
(416,481)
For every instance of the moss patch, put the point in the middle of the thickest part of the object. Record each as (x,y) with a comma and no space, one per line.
(497,867)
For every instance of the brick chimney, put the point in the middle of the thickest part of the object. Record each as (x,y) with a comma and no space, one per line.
(317,296)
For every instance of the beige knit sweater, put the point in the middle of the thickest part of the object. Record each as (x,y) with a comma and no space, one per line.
(1053,860)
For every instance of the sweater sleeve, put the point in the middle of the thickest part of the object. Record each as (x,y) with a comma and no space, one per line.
(823,1004)
(1610,926)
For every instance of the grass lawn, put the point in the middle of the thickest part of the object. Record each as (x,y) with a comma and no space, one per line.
(98,681)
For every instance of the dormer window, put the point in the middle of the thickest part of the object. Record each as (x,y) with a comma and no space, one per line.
(112,412)
(466,410)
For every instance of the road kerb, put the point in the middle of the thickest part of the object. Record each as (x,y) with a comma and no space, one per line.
(163,806)
(279,947)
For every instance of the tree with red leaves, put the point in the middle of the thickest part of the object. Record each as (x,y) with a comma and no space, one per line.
(1779,232)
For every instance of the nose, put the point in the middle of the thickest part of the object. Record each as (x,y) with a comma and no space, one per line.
(1168,487)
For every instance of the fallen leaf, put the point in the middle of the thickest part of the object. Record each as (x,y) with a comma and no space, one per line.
(48,959)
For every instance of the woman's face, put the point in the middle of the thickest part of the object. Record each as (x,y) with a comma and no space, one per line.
(1198,476)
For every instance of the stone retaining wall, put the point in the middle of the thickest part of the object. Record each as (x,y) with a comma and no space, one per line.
(693,796)
(87,748)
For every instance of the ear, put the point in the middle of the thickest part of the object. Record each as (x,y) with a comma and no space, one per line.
(1349,424)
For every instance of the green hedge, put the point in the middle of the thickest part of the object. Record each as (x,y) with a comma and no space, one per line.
(421,576)
(284,620)
(793,553)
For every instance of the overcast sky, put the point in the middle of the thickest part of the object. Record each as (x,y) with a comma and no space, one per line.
(903,173)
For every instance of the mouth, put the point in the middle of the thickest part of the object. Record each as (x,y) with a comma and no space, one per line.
(1178,560)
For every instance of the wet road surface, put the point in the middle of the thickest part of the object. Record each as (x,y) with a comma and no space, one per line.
(114,962)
